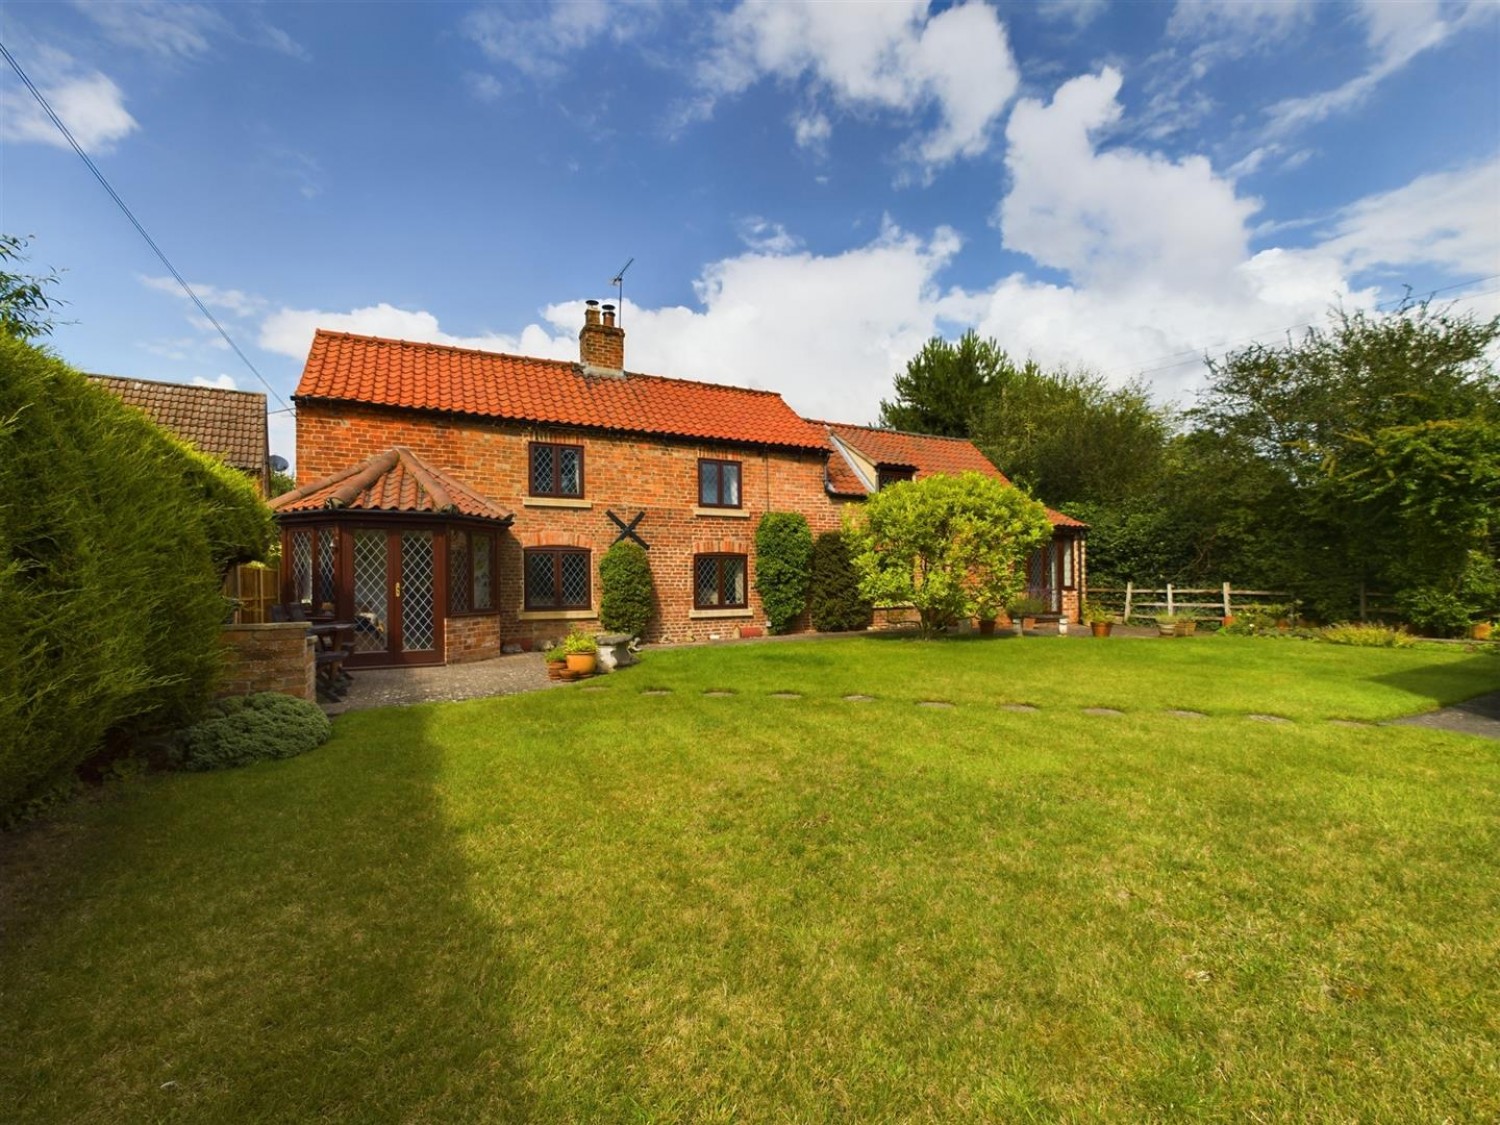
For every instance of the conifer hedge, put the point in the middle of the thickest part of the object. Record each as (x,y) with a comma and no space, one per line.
(114,538)
(836,603)
(783,566)
(626,600)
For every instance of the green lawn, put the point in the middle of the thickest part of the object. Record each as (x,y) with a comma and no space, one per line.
(611,906)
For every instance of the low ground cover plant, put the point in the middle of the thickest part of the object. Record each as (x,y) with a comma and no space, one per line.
(251,728)
(1367,636)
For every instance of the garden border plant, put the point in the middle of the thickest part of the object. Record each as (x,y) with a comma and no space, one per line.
(783,567)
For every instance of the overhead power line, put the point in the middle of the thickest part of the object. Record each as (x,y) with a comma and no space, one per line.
(129,214)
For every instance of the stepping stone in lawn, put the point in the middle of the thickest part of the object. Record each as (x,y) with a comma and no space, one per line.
(657,691)
(718,694)
(1023,707)
(859,699)
(786,695)
(1109,712)
(940,704)
(1188,714)
(1267,719)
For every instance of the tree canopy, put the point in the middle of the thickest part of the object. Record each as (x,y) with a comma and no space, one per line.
(945,386)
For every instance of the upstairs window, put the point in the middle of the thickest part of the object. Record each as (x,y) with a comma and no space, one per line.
(556,470)
(471,571)
(557,578)
(718,484)
(719,581)
(887,477)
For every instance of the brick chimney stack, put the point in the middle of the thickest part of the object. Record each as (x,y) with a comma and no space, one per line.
(601,346)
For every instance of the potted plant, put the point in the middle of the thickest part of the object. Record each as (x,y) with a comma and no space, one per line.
(1100,620)
(1166,625)
(1025,609)
(985,611)
(1187,626)
(557,660)
(1481,630)
(582,653)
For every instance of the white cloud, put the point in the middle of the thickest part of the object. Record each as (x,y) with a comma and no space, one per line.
(765,236)
(892,56)
(811,129)
(1116,218)
(89,104)
(154,26)
(539,44)
(1446,219)
(230,300)
(1238,26)
(289,332)
(223,382)
(1395,33)
(1080,13)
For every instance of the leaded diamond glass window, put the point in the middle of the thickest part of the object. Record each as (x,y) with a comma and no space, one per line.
(370,605)
(556,470)
(326,561)
(557,578)
(484,570)
(718,484)
(302,566)
(418,588)
(459,589)
(719,581)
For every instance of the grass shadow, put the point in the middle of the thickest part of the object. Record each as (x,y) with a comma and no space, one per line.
(290,941)
(1440,685)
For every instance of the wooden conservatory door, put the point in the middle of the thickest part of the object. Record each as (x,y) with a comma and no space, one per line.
(397,613)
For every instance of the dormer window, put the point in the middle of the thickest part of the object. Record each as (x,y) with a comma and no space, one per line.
(556,470)
(718,484)
(890,476)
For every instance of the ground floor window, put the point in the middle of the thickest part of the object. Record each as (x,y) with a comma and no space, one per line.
(557,578)
(471,571)
(313,558)
(719,581)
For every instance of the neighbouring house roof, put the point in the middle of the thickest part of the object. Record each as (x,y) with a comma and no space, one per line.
(927,454)
(394,481)
(343,367)
(228,424)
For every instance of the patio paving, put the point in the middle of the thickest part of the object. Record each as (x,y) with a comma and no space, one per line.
(400,687)
(1479,716)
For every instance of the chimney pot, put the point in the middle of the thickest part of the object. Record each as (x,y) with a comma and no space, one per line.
(590,312)
(601,346)
(609,316)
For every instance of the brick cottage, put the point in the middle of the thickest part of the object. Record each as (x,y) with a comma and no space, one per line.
(451,500)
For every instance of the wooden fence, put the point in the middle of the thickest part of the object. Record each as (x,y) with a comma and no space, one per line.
(254,589)
(1133,599)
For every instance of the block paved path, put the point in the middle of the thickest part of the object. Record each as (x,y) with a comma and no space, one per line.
(1480,716)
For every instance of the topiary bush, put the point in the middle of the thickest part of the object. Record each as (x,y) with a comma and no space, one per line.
(251,728)
(626,596)
(783,566)
(114,538)
(836,604)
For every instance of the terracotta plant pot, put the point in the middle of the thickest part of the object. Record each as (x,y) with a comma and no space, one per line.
(1101,628)
(1187,628)
(986,627)
(1227,620)
(555,669)
(582,663)
(1028,622)
(1166,630)
(566,674)
(1480,631)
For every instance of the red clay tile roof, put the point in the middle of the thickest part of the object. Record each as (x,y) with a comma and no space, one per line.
(226,423)
(897,449)
(367,369)
(394,481)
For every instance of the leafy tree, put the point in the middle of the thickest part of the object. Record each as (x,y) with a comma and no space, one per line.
(951,546)
(281,483)
(1067,436)
(836,603)
(25,305)
(783,566)
(945,386)
(626,598)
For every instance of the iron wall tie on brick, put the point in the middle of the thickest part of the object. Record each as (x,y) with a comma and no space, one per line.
(627,530)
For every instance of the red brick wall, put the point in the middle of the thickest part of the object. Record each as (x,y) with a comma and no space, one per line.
(471,638)
(270,657)
(622,473)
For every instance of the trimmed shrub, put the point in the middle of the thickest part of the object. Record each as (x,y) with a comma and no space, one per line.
(114,538)
(251,728)
(783,566)
(625,599)
(837,606)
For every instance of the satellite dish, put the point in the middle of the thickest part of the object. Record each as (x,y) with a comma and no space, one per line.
(278,463)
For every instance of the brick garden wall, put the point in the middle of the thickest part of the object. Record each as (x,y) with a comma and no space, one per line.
(270,657)
(471,638)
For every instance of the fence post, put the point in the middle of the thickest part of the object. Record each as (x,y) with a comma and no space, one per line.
(1228,609)
(1171,606)
(1129,593)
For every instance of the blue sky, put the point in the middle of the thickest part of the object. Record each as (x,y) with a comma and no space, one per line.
(808,190)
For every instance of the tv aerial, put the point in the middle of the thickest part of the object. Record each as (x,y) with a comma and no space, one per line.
(618,281)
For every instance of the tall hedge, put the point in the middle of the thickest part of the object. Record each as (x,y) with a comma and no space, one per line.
(625,599)
(836,603)
(783,566)
(114,538)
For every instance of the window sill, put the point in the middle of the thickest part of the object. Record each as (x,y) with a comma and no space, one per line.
(555,502)
(701,614)
(557,614)
(473,613)
(722,513)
